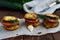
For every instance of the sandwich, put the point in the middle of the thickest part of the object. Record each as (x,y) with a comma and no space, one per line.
(10,22)
(50,21)
(31,19)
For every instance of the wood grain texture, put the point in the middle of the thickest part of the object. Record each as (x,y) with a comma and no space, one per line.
(27,37)
(15,38)
(47,37)
(43,37)
(56,36)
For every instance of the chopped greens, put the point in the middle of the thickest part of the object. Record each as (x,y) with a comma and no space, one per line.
(11,21)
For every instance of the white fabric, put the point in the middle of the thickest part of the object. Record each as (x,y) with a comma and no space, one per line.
(39,5)
(24,31)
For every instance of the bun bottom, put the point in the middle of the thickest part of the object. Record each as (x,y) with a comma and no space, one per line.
(13,28)
(47,26)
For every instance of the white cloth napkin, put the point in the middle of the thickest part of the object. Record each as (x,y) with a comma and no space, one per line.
(51,10)
(40,5)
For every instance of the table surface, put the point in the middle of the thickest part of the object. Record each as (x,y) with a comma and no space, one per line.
(20,14)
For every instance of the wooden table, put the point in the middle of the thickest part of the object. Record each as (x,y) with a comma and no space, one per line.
(20,14)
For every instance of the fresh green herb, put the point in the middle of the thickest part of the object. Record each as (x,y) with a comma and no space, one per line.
(11,21)
(54,18)
(41,16)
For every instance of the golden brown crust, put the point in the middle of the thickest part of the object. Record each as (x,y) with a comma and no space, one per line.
(12,28)
(30,16)
(52,15)
(9,18)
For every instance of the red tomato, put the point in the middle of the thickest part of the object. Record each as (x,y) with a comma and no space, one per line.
(32,20)
(51,20)
(7,24)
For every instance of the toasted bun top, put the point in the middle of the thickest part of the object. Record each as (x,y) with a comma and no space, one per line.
(30,16)
(9,18)
(52,15)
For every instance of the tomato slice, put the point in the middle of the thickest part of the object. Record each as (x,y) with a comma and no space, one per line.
(7,24)
(30,21)
(51,21)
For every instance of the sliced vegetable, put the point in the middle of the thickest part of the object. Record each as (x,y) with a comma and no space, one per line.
(11,21)
(13,4)
(51,20)
(7,24)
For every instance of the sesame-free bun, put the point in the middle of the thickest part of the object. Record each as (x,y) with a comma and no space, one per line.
(52,15)
(30,16)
